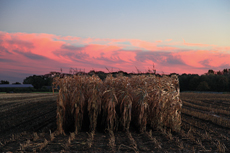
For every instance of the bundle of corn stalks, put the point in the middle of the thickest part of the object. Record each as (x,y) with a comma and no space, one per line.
(140,102)
(71,103)
(109,103)
(165,104)
(124,108)
(93,100)
(116,102)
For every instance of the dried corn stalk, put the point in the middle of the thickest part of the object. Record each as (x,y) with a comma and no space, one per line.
(165,105)
(124,109)
(114,103)
(93,94)
(140,102)
(109,103)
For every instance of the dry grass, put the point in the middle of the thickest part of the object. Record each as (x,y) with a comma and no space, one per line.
(35,136)
(116,102)
(111,143)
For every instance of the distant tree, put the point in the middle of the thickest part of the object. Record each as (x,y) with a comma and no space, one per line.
(102,75)
(4,82)
(36,81)
(203,86)
(122,72)
(222,83)
(225,71)
(184,81)
(48,81)
(219,73)
(91,72)
(193,83)
(16,83)
(210,71)
(28,80)
(204,78)
(228,86)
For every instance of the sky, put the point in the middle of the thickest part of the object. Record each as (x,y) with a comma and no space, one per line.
(39,36)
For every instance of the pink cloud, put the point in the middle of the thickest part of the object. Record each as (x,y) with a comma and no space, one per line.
(41,53)
(196,58)
(197,44)
(143,44)
(97,51)
(158,41)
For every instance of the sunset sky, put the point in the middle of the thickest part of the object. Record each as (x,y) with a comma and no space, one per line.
(39,36)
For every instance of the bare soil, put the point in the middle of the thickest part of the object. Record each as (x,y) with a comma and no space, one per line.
(28,124)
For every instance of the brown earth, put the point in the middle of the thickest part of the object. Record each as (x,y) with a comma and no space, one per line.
(28,124)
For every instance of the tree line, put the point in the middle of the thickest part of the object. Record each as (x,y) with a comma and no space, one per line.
(211,81)
(41,83)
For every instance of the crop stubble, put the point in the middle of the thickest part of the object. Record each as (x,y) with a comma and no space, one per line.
(197,134)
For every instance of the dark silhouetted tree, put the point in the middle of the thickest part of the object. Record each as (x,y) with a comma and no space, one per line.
(210,72)
(36,81)
(16,83)
(219,73)
(222,83)
(225,71)
(203,86)
(193,83)
(4,82)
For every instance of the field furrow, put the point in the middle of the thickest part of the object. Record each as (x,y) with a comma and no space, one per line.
(28,124)
(222,112)
(20,103)
(206,131)
(122,142)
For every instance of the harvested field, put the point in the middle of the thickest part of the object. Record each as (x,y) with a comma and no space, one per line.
(28,123)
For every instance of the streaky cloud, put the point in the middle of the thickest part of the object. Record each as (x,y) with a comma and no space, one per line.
(48,52)
(31,55)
